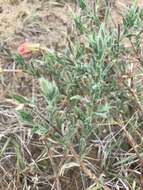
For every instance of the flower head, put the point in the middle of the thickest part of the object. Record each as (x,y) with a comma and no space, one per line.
(27,48)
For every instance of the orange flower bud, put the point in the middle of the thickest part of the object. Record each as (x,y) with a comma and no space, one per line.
(27,48)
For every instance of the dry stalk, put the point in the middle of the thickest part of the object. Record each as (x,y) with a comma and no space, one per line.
(86,170)
(134,145)
(58,185)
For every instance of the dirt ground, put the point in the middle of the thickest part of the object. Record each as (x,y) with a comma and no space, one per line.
(43,22)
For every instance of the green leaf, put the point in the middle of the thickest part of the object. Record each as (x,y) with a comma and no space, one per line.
(103,110)
(82,145)
(49,89)
(25,116)
(39,129)
(20,99)
(82,4)
(77,97)
(19,59)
